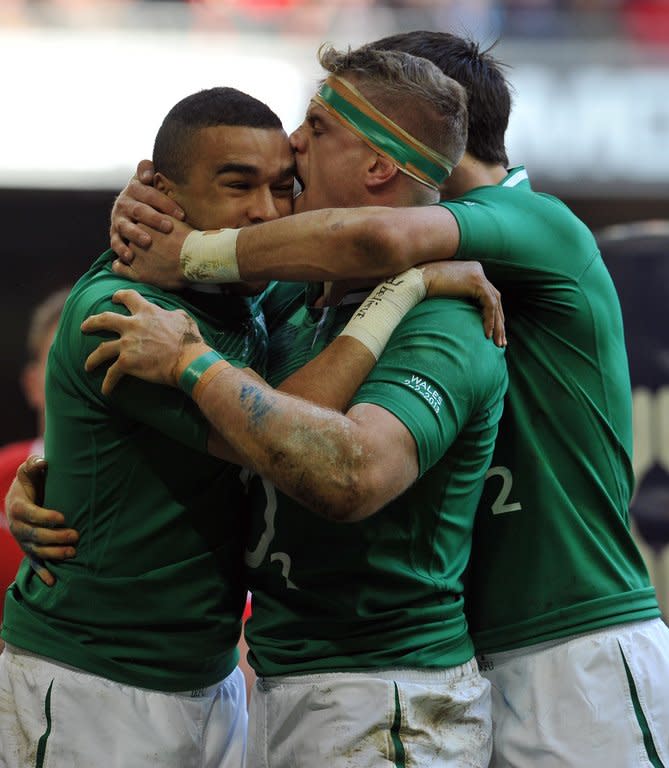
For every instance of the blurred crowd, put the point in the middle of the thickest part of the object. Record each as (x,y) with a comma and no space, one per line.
(642,20)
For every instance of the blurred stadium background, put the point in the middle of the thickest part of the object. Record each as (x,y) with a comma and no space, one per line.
(86,83)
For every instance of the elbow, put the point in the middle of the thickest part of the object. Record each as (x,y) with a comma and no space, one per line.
(342,480)
(340,511)
(348,498)
(385,245)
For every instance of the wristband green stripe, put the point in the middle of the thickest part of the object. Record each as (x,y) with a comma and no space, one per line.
(399,150)
(192,374)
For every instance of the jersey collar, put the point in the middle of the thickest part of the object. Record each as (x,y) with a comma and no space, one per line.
(516,176)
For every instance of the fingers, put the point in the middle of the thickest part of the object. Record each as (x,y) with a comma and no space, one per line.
(490,300)
(33,469)
(119,246)
(105,321)
(499,331)
(132,233)
(140,204)
(145,171)
(112,377)
(131,299)
(103,353)
(55,552)
(42,541)
(488,318)
(33,525)
(145,204)
(500,327)
(124,268)
(26,489)
(42,572)
(110,350)
(484,294)
(493,315)
(107,350)
(38,531)
(24,516)
(127,211)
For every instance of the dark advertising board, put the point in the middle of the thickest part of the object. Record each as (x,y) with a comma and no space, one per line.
(637,256)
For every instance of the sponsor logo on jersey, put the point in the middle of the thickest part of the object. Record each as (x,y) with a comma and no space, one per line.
(426,391)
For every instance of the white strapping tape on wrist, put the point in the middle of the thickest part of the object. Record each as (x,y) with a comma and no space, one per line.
(210,257)
(383,310)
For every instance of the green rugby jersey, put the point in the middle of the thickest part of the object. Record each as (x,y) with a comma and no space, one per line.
(386,591)
(155,593)
(552,554)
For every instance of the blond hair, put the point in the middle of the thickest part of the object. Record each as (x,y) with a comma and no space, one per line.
(411,91)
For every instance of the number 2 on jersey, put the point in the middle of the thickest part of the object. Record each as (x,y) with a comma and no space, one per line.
(255,556)
(500,505)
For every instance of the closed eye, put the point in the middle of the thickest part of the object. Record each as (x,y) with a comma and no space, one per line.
(315,124)
(284,189)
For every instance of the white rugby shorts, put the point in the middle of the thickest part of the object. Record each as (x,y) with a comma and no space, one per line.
(596,700)
(381,718)
(53,716)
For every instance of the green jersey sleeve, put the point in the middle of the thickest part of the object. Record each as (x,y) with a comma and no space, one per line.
(521,237)
(438,374)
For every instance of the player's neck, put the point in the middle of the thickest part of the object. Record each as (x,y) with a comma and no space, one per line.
(471,173)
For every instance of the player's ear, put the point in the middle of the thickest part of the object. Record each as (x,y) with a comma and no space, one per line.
(380,171)
(164,185)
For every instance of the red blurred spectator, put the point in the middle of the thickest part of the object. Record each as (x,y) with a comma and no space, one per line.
(265,16)
(647,21)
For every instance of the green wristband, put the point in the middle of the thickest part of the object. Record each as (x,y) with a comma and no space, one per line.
(191,375)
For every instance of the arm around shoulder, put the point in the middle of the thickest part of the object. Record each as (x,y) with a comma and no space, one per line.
(333,243)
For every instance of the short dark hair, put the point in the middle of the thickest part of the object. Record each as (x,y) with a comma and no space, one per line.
(204,109)
(488,92)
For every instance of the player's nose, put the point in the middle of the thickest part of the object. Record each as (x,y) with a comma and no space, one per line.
(263,206)
(298,139)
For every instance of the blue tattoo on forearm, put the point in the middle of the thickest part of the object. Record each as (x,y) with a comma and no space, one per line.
(251,396)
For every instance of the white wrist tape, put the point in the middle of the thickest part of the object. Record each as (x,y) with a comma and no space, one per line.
(384,308)
(210,257)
